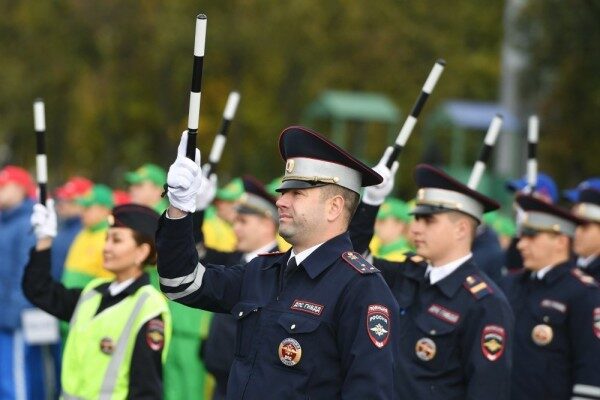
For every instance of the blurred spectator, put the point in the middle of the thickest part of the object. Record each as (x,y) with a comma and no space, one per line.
(146,185)
(572,195)
(121,197)
(84,260)
(21,367)
(504,227)
(391,228)
(218,220)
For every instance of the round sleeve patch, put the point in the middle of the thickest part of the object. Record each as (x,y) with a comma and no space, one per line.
(493,340)
(378,324)
(155,334)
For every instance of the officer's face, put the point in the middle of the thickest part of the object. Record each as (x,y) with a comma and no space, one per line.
(540,250)
(433,237)
(252,231)
(121,252)
(587,239)
(301,212)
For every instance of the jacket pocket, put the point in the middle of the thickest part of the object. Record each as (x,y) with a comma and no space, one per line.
(435,342)
(247,315)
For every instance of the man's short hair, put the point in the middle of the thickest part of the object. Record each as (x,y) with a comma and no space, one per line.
(455,215)
(350,197)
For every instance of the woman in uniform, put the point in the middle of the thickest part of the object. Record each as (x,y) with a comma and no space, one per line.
(119,329)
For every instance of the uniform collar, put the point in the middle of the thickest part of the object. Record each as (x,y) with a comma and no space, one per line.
(265,249)
(584,262)
(303,255)
(451,283)
(436,274)
(320,259)
(142,280)
(556,272)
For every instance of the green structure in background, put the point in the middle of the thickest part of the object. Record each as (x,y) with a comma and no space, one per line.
(461,125)
(342,109)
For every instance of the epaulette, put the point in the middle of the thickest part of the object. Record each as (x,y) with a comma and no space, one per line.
(583,277)
(272,253)
(358,262)
(477,286)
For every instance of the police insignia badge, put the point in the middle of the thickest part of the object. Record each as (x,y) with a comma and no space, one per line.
(378,325)
(289,166)
(542,334)
(425,349)
(107,346)
(597,322)
(155,334)
(493,338)
(290,352)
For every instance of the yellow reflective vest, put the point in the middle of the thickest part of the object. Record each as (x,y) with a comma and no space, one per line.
(99,348)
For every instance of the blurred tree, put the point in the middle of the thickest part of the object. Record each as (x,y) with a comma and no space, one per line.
(115,75)
(563,85)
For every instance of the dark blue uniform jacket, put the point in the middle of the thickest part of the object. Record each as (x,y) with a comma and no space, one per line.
(325,333)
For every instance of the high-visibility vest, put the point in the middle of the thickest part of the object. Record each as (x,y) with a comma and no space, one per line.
(98,352)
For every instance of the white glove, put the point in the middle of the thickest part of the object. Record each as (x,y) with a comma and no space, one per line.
(184,178)
(209,189)
(43,220)
(375,195)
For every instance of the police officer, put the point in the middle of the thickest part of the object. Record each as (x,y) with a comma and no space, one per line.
(587,235)
(119,329)
(557,311)
(456,324)
(315,322)
(255,226)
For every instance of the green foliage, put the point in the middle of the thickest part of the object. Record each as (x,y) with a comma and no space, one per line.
(115,75)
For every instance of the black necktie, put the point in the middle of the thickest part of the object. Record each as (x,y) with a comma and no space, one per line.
(290,268)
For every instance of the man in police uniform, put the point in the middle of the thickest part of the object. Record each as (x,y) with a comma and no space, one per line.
(587,235)
(456,324)
(557,311)
(317,321)
(255,226)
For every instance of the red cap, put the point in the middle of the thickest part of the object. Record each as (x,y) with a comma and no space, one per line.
(75,187)
(121,197)
(18,175)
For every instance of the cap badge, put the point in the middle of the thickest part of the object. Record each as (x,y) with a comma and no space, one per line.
(289,166)
(425,349)
(290,352)
(542,334)
(107,346)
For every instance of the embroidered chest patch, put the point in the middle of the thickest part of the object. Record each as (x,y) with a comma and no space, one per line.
(307,307)
(555,305)
(378,324)
(443,313)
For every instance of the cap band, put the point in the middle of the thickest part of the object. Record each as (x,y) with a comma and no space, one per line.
(547,222)
(319,171)
(450,200)
(588,211)
(253,204)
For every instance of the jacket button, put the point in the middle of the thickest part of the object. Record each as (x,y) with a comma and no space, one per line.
(240,314)
(293,326)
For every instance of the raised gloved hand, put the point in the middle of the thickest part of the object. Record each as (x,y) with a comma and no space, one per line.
(43,220)
(209,189)
(375,195)
(184,178)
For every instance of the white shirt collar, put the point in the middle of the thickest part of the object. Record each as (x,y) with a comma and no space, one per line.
(265,249)
(583,262)
(117,287)
(540,273)
(436,274)
(303,255)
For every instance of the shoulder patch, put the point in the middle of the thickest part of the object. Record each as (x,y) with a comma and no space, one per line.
(273,253)
(358,262)
(155,334)
(477,287)
(583,277)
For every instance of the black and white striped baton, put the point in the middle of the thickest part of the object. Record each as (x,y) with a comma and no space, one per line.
(194,112)
(411,120)
(486,151)
(219,143)
(39,123)
(533,126)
